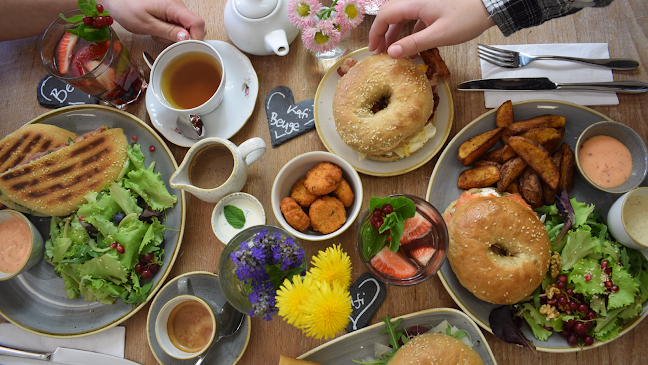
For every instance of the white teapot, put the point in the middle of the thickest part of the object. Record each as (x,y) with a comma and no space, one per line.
(260,27)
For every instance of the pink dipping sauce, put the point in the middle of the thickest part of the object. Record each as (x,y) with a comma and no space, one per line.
(606,161)
(15,244)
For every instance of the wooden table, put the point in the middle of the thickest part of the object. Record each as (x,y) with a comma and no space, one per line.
(624,25)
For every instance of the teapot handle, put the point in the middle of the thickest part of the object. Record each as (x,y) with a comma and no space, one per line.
(252,149)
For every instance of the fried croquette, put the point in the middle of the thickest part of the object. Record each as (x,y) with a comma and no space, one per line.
(301,195)
(344,193)
(323,178)
(327,214)
(294,214)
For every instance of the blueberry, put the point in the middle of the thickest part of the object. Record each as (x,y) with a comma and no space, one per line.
(117,218)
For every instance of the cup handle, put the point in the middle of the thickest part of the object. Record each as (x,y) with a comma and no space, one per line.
(184,286)
(252,150)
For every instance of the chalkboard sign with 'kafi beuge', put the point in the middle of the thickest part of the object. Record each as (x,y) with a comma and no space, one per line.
(54,93)
(286,119)
(367,294)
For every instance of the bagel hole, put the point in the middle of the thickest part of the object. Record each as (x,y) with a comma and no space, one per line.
(380,104)
(499,251)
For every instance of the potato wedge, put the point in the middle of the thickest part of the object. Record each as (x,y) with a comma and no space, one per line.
(514,187)
(549,138)
(478,177)
(494,155)
(504,118)
(531,188)
(549,194)
(475,147)
(567,163)
(534,155)
(552,121)
(510,172)
(487,163)
(507,154)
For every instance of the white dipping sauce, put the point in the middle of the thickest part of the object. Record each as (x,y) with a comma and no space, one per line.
(635,217)
(253,217)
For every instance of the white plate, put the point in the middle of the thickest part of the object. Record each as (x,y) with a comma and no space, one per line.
(241,90)
(360,344)
(36,300)
(443,189)
(328,134)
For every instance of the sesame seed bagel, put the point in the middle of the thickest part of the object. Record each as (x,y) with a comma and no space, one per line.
(409,97)
(437,349)
(498,249)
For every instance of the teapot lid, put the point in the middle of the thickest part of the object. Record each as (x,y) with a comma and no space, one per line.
(255,9)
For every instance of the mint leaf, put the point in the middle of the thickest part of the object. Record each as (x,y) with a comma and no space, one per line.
(396,233)
(235,216)
(88,9)
(376,202)
(372,242)
(404,206)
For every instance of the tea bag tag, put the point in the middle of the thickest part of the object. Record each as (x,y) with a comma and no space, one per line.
(54,93)
(287,120)
(367,295)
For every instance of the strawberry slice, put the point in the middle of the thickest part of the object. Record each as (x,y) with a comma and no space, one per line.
(85,54)
(415,228)
(423,254)
(107,78)
(65,47)
(393,264)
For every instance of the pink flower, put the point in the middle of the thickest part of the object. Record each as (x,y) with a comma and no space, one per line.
(303,13)
(350,13)
(322,37)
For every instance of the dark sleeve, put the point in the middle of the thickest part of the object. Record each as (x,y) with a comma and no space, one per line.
(513,15)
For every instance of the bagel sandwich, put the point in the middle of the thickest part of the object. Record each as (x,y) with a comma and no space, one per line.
(384,108)
(435,348)
(56,183)
(498,248)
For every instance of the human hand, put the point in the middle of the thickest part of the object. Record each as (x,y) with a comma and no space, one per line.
(439,23)
(167,21)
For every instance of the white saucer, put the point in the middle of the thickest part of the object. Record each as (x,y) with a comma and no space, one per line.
(241,90)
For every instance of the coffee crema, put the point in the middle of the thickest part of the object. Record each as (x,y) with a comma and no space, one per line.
(191,79)
(211,167)
(190,326)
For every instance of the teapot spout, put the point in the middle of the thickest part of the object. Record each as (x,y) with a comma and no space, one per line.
(277,42)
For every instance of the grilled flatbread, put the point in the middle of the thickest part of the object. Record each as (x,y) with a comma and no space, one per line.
(56,184)
(26,143)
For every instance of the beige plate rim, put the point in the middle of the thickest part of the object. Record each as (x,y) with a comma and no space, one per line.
(442,277)
(433,153)
(160,282)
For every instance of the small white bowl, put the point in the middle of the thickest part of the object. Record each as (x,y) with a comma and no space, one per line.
(617,218)
(35,242)
(223,230)
(297,168)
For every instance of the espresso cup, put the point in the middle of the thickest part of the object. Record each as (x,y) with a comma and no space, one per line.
(169,59)
(627,224)
(186,326)
(21,246)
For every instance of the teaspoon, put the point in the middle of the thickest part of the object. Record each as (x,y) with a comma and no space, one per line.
(232,320)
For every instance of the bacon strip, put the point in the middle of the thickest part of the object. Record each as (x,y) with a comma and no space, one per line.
(346,66)
(436,68)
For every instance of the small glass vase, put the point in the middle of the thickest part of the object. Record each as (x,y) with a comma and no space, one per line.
(336,52)
(233,289)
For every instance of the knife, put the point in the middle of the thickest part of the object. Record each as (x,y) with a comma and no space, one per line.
(543,83)
(68,356)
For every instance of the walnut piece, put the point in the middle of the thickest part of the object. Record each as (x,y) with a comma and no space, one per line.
(555,264)
(551,290)
(549,311)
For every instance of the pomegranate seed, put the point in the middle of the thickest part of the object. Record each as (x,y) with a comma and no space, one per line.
(591,315)
(121,249)
(588,277)
(570,323)
(620,264)
(149,257)
(551,301)
(152,148)
(547,328)
(99,8)
(608,271)
(113,245)
(562,278)
(154,268)
(615,288)
(139,268)
(560,285)
(87,20)
(134,139)
(608,283)
(580,328)
(572,340)
(563,301)
(108,20)
(570,292)
(604,264)
(573,305)
(588,340)
(583,308)
(387,209)
(81,219)
(565,334)
(146,273)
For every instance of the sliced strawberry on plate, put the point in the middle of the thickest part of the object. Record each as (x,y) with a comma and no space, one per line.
(107,78)
(393,264)
(415,228)
(423,254)
(65,47)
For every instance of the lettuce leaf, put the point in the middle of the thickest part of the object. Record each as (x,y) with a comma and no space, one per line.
(150,187)
(628,288)
(579,244)
(536,321)
(586,276)
(126,201)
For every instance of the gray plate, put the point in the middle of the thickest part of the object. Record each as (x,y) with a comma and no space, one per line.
(205,285)
(36,300)
(443,189)
(360,344)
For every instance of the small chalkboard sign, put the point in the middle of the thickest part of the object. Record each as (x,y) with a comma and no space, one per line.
(367,295)
(286,119)
(54,93)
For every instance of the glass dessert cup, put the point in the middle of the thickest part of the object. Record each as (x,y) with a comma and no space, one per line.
(106,71)
(436,237)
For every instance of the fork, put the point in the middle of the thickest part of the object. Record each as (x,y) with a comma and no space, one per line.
(512,59)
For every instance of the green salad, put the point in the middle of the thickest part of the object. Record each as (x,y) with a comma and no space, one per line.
(597,285)
(111,245)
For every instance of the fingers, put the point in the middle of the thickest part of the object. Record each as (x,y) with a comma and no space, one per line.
(393,34)
(415,43)
(189,20)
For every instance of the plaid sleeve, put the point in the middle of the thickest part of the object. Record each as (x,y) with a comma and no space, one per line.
(513,15)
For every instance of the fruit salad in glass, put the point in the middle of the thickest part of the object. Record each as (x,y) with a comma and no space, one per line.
(81,49)
(419,232)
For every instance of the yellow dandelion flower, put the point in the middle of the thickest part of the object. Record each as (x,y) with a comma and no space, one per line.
(290,298)
(332,265)
(326,310)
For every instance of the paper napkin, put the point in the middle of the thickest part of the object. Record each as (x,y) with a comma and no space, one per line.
(110,342)
(556,71)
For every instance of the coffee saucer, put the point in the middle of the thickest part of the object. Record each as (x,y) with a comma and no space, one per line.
(241,90)
(228,350)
